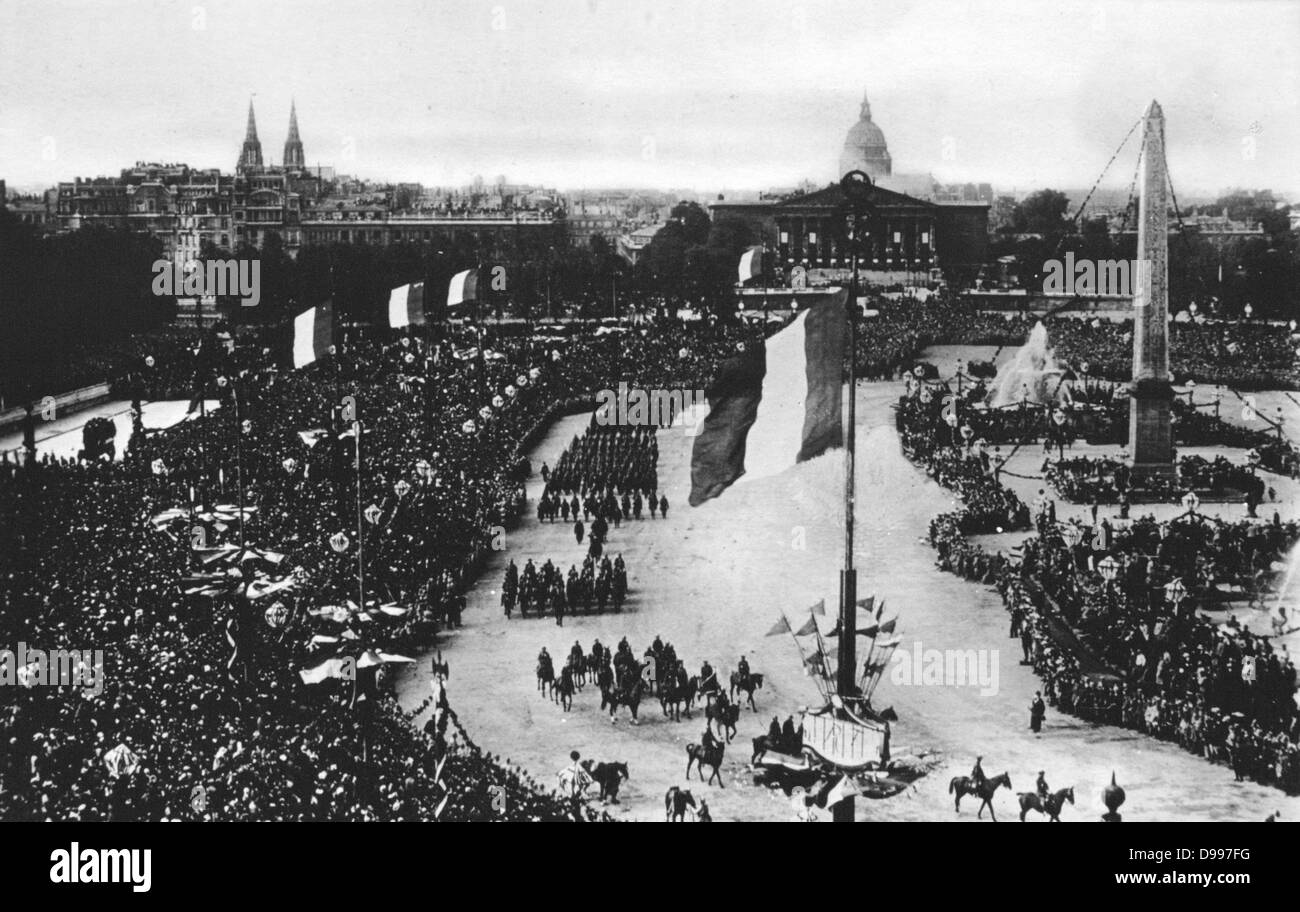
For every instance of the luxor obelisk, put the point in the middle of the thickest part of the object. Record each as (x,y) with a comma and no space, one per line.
(1151,403)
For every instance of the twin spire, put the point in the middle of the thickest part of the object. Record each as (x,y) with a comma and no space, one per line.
(251,154)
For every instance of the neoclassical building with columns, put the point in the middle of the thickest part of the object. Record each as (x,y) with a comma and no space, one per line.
(904,235)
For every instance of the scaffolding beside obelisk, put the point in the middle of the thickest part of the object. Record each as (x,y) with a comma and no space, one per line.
(1151,403)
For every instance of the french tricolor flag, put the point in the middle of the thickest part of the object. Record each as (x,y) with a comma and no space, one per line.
(463,288)
(751,264)
(313,334)
(774,406)
(406,306)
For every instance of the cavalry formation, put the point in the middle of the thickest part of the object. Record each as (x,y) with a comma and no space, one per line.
(548,590)
(625,681)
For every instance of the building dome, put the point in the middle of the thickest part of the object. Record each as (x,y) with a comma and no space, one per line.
(865,148)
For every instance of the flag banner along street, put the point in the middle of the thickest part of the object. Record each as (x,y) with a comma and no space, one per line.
(868,631)
(751,264)
(406,306)
(771,407)
(313,333)
(808,629)
(780,627)
(463,288)
(331,668)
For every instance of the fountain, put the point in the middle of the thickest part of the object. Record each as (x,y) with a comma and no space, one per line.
(1032,375)
(1288,593)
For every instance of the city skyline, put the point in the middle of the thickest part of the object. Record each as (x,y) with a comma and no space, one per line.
(586,95)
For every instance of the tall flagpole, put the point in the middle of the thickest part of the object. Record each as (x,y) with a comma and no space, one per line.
(361,530)
(239,463)
(857,191)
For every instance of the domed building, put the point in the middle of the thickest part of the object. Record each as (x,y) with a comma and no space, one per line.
(865,148)
(911,232)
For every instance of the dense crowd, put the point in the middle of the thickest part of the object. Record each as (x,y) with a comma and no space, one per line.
(1242,356)
(201,692)
(1126,651)
(1101,480)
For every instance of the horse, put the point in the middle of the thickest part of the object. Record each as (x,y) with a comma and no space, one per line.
(614,697)
(693,692)
(763,744)
(963,785)
(608,776)
(1051,805)
(713,758)
(726,715)
(677,698)
(545,677)
(747,684)
(562,692)
(578,668)
(676,801)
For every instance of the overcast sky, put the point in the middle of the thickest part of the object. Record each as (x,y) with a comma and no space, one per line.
(710,95)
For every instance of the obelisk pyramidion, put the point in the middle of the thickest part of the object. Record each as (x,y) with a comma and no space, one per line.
(1150,428)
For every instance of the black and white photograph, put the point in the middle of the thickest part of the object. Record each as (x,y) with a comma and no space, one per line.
(781,411)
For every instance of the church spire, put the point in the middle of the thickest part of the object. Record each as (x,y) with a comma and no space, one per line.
(866,108)
(251,154)
(250,135)
(293,154)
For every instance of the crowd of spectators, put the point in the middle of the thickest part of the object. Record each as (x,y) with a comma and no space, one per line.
(205,696)
(1127,651)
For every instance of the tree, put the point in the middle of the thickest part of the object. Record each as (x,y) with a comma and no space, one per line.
(1042,212)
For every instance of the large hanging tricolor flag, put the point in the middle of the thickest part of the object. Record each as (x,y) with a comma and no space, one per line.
(406,306)
(463,288)
(774,407)
(751,264)
(313,334)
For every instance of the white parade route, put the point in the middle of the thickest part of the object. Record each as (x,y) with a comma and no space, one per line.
(61,438)
(713,580)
